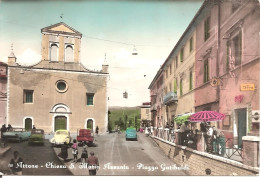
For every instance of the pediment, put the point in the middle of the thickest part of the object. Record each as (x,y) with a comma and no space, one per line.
(61,28)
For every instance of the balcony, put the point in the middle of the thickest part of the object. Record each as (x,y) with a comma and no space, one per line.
(170,98)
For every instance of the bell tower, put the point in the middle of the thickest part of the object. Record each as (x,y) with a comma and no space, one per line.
(61,42)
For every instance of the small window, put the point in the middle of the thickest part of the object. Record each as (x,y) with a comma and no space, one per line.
(191,80)
(175,86)
(90,99)
(191,44)
(206,29)
(170,69)
(206,70)
(28,96)
(228,56)
(181,87)
(176,63)
(181,54)
(61,86)
(166,73)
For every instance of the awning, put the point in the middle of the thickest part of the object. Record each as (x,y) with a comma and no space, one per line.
(181,118)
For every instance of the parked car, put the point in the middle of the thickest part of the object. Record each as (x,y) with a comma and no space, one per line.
(60,137)
(130,134)
(37,136)
(85,137)
(17,134)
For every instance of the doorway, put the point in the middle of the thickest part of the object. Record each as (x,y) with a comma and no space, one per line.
(28,124)
(60,123)
(242,125)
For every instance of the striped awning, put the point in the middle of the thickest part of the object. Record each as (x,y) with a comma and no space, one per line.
(206,116)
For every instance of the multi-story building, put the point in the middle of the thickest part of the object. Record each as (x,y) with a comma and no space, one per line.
(145,114)
(227,60)
(3,95)
(224,67)
(179,76)
(58,92)
(156,93)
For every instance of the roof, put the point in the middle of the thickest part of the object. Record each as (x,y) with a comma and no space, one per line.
(11,55)
(59,66)
(61,28)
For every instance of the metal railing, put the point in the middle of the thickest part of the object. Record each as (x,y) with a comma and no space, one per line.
(222,146)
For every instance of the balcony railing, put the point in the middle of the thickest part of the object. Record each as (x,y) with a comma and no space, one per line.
(169,98)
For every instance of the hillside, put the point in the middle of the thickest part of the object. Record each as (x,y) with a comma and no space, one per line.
(123,112)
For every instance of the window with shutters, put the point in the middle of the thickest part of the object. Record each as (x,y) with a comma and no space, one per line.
(206,70)
(207,29)
(28,96)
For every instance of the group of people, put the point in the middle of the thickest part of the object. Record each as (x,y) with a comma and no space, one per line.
(5,129)
(214,138)
(91,161)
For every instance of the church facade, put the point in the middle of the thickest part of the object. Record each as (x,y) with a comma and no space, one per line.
(58,92)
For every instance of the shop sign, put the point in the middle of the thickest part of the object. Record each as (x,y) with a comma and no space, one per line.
(247,87)
(239,99)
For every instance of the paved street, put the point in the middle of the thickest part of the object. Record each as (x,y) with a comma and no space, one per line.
(113,150)
(35,155)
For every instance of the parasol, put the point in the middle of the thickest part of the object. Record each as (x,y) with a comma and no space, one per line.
(206,116)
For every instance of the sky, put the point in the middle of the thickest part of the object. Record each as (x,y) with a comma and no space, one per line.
(111,27)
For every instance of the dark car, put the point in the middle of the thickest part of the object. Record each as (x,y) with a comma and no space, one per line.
(37,136)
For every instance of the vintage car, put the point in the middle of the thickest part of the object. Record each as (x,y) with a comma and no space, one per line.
(60,137)
(130,134)
(17,134)
(85,137)
(37,136)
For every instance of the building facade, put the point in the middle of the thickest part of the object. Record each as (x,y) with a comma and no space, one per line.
(156,93)
(3,92)
(58,92)
(223,68)
(145,114)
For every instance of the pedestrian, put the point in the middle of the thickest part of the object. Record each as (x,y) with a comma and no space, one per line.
(64,151)
(3,130)
(75,150)
(84,154)
(34,127)
(183,132)
(97,129)
(209,138)
(16,164)
(219,140)
(9,128)
(93,164)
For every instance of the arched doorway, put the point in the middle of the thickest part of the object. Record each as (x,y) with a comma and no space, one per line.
(60,118)
(60,123)
(28,124)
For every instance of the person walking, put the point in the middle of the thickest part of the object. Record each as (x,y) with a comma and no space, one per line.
(64,152)
(219,140)
(16,164)
(93,164)
(209,139)
(75,150)
(97,129)
(183,130)
(3,130)
(84,155)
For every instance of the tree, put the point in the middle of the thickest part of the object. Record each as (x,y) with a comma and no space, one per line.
(126,118)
